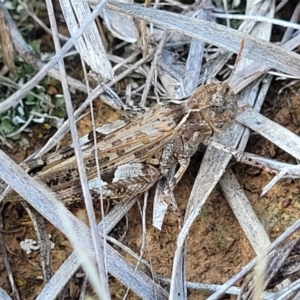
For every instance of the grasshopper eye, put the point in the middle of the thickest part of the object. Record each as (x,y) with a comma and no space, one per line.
(218,103)
(217,99)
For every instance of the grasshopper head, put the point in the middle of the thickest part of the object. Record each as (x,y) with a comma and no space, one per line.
(217,104)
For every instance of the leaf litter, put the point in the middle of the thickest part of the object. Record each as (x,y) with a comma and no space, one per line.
(213,246)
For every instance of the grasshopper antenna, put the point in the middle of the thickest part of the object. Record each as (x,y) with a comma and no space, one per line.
(238,58)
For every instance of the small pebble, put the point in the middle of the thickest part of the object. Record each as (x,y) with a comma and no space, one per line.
(286,203)
(207,266)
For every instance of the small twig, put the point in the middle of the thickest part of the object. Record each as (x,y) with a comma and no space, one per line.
(43,240)
(83,288)
(7,264)
(243,157)
(20,229)
(282,137)
(28,121)
(194,61)
(245,214)
(258,19)
(126,249)
(153,68)
(98,174)
(144,235)
(213,287)
(103,280)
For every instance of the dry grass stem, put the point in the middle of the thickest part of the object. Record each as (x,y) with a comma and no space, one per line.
(153,64)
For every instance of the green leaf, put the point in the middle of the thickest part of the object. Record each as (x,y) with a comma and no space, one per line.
(30,99)
(59,112)
(7,126)
(59,101)
(36,47)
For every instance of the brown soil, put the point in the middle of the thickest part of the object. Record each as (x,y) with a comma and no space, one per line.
(217,247)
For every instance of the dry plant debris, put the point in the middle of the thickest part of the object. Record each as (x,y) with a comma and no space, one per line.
(156,55)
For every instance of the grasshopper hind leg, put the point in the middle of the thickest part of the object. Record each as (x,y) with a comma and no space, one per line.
(125,180)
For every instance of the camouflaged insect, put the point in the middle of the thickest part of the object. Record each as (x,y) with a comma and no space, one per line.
(137,153)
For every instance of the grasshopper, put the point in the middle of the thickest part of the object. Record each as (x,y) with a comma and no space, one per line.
(139,152)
